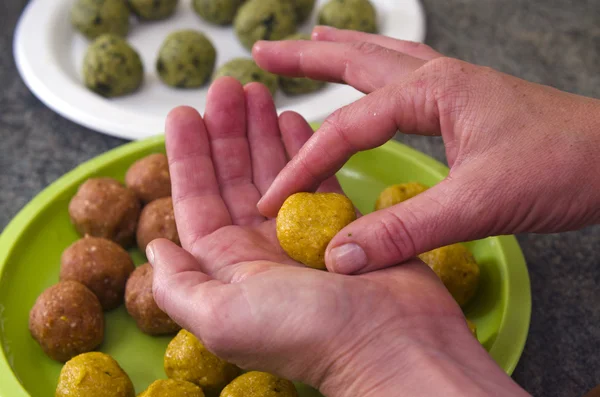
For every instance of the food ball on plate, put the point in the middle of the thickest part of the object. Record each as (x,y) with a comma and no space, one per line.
(303,9)
(97,17)
(140,304)
(153,9)
(349,14)
(457,269)
(396,194)
(157,221)
(186,358)
(172,388)
(103,207)
(259,384)
(111,67)
(149,178)
(246,71)
(264,20)
(186,59)
(93,374)
(307,222)
(101,265)
(67,320)
(220,12)
(299,85)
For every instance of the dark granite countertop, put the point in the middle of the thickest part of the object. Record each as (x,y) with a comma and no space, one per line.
(555,42)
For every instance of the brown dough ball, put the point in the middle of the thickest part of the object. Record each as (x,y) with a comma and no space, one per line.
(149,178)
(103,207)
(140,304)
(157,221)
(101,265)
(67,320)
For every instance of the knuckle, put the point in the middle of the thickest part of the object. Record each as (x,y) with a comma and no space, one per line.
(366,48)
(395,237)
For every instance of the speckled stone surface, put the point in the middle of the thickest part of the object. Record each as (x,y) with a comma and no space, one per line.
(555,42)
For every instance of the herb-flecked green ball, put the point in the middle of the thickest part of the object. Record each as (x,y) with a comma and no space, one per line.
(111,67)
(349,14)
(186,59)
(97,17)
(299,85)
(220,12)
(246,71)
(153,9)
(264,20)
(303,9)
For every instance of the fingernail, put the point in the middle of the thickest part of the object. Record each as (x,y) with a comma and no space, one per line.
(150,254)
(348,258)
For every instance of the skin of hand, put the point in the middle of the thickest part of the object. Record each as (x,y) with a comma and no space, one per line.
(387,333)
(522,156)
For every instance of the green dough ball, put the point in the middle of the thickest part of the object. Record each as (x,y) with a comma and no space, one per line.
(153,9)
(259,384)
(111,67)
(349,14)
(245,70)
(303,9)
(220,12)
(186,59)
(97,17)
(299,85)
(264,20)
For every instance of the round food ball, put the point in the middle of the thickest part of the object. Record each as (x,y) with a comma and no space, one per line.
(140,304)
(246,71)
(97,17)
(396,194)
(349,14)
(307,222)
(103,207)
(101,265)
(187,359)
(457,269)
(157,221)
(111,67)
(220,12)
(299,85)
(472,328)
(303,9)
(259,384)
(172,388)
(67,320)
(264,20)
(186,59)
(153,9)
(93,374)
(149,178)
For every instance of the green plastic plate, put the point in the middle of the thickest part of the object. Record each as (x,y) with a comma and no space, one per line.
(31,245)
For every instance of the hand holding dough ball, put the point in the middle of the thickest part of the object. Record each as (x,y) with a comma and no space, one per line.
(94,18)
(303,9)
(186,59)
(396,194)
(220,12)
(103,207)
(299,85)
(157,221)
(246,71)
(186,358)
(259,384)
(153,9)
(140,304)
(67,320)
(457,269)
(149,178)
(93,374)
(101,265)
(172,388)
(307,222)
(264,20)
(349,14)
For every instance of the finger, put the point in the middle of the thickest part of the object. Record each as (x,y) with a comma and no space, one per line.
(266,148)
(364,66)
(199,208)
(225,120)
(412,48)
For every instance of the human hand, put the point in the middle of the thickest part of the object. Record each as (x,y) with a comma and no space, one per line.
(386,333)
(522,155)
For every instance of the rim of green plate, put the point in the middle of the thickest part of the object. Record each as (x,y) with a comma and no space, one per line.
(516,317)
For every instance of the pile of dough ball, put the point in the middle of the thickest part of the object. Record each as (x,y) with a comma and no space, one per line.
(186,59)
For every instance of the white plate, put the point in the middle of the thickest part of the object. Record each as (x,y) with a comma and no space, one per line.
(49,54)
